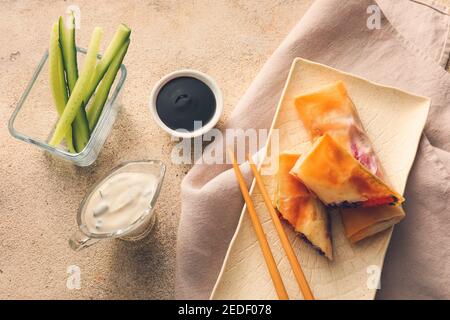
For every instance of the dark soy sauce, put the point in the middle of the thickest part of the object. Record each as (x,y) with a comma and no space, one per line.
(183,100)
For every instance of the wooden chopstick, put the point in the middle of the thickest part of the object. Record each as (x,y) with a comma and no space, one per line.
(295,265)
(268,257)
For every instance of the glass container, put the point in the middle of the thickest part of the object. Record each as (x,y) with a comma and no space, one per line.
(35,117)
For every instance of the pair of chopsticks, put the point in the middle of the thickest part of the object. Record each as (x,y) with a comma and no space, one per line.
(268,257)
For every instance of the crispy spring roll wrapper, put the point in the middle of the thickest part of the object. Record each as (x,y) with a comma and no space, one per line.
(339,180)
(300,208)
(360,223)
(330,110)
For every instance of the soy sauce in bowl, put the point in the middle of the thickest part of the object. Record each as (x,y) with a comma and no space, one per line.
(186,103)
(184,100)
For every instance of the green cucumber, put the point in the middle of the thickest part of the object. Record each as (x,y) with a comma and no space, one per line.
(95,109)
(80,127)
(69,51)
(57,82)
(81,86)
(121,35)
(80,130)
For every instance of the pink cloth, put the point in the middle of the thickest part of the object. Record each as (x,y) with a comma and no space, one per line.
(409,51)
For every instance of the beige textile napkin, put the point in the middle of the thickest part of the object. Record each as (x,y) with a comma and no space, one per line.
(409,49)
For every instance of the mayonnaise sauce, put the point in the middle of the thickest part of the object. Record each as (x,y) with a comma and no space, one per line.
(119,201)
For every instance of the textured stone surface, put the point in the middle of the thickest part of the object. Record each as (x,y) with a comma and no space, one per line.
(39,195)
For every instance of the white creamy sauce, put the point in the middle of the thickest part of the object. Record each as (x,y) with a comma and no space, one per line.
(119,201)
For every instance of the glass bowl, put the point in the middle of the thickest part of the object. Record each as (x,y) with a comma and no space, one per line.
(35,116)
(136,230)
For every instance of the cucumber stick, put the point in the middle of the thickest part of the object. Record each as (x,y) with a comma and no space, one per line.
(95,109)
(121,35)
(69,51)
(57,82)
(75,101)
(80,127)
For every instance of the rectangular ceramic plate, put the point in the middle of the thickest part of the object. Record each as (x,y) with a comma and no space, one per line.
(394,121)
